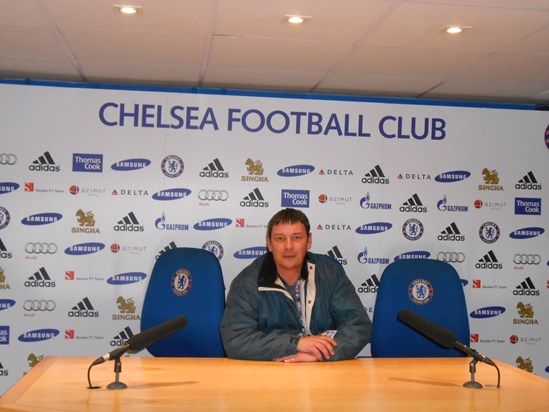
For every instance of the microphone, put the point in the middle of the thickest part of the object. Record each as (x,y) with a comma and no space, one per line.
(145,339)
(439,334)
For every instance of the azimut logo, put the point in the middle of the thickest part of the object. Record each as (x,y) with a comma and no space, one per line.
(451,233)
(526,288)
(126,278)
(371,285)
(215,170)
(171,194)
(8,187)
(528,182)
(38,335)
(250,252)
(41,219)
(526,233)
(453,176)
(84,248)
(375,176)
(129,165)
(83,309)
(489,261)
(254,199)
(413,204)
(40,279)
(295,170)
(44,163)
(212,224)
(129,223)
(335,253)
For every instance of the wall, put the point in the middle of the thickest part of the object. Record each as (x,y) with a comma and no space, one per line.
(96,182)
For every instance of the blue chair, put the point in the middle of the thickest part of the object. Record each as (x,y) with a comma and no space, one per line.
(428,287)
(189,282)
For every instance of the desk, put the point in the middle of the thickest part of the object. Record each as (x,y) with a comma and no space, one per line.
(190,384)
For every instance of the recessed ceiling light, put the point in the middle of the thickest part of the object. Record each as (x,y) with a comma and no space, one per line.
(454,29)
(127,9)
(295,19)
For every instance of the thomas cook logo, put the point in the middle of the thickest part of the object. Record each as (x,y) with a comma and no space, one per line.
(83,309)
(420,291)
(182,282)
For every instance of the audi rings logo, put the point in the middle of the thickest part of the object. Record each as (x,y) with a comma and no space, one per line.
(8,159)
(453,257)
(216,195)
(36,305)
(41,248)
(526,259)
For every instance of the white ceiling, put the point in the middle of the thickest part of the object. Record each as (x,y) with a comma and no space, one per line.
(387,48)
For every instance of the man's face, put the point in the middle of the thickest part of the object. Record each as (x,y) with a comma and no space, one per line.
(289,244)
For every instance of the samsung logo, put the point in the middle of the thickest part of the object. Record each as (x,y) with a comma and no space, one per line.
(6,303)
(297,170)
(38,335)
(41,219)
(251,252)
(372,228)
(487,312)
(526,233)
(128,165)
(8,187)
(84,248)
(453,176)
(212,224)
(417,254)
(171,194)
(126,278)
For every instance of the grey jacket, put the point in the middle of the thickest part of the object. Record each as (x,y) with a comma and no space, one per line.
(261,321)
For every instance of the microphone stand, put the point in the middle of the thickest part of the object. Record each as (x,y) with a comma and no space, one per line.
(472,383)
(117,369)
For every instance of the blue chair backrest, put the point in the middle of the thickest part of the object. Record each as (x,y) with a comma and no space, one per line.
(428,287)
(188,282)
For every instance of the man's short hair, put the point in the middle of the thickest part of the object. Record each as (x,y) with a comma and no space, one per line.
(291,216)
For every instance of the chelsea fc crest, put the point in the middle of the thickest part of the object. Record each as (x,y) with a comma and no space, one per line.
(420,291)
(181,282)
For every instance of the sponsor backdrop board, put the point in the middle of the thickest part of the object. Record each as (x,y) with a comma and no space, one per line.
(95,183)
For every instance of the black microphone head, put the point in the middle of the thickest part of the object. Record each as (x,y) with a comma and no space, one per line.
(433,331)
(150,336)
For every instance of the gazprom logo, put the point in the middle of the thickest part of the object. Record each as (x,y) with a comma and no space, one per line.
(172,194)
(416,254)
(212,224)
(453,176)
(526,233)
(251,252)
(374,227)
(296,170)
(38,335)
(487,312)
(84,248)
(41,219)
(8,187)
(126,278)
(128,165)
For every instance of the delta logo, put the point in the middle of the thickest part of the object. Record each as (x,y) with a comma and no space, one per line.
(171,194)
(129,165)
(38,335)
(373,228)
(126,278)
(212,224)
(295,170)
(452,176)
(250,253)
(8,187)
(40,219)
(526,233)
(487,312)
(84,248)
(414,254)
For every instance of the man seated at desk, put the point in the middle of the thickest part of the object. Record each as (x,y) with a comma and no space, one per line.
(287,304)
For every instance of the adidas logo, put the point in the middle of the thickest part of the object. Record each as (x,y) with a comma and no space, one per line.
(451,233)
(4,254)
(413,205)
(172,245)
(526,288)
(3,372)
(336,254)
(254,199)
(122,337)
(214,169)
(488,261)
(370,286)
(44,163)
(40,279)
(375,176)
(129,224)
(83,309)
(528,182)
